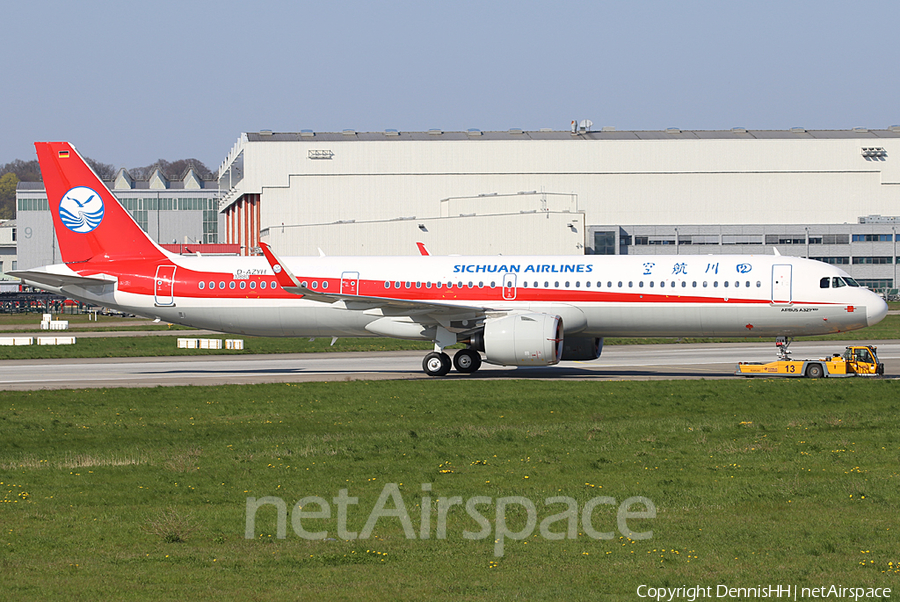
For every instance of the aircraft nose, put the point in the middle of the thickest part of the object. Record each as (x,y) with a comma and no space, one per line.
(876,310)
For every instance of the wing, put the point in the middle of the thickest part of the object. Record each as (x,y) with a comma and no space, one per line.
(450,315)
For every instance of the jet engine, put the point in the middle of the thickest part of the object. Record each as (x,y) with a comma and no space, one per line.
(582,348)
(521,340)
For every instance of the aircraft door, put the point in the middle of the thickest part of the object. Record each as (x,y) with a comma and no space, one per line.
(164,288)
(509,287)
(350,283)
(781,284)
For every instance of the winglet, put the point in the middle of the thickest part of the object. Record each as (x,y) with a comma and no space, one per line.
(282,274)
(422,248)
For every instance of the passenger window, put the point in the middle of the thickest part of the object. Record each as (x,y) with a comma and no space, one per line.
(724,283)
(202,285)
(253,284)
(587,284)
(556,284)
(324,284)
(695,284)
(620,284)
(747,284)
(263,284)
(272,285)
(418,285)
(652,284)
(567,284)
(641,284)
(243,284)
(683,283)
(315,284)
(758,284)
(630,284)
(387,284)
(221,285)
(396,285)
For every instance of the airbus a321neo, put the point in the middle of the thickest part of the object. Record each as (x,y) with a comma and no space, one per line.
(517,311)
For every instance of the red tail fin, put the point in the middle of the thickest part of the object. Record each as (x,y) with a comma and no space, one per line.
(90,223)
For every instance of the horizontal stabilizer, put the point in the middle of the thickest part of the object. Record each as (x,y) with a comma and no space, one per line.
(42,277)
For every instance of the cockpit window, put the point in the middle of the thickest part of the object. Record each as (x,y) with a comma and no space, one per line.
(824,282)
(851,281)
(838,282)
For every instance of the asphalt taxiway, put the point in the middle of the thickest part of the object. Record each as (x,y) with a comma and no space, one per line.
(631,362)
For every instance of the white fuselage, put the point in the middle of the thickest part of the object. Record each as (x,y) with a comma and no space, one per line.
(675,295)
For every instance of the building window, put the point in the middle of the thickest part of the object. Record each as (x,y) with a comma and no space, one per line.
(785,239)
(872,238)
(833,260)
(835,239)
(876,283)
(604,243)
(741,239)
(872,260)
(32,205)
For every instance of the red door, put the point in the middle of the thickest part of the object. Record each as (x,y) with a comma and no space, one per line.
(509,287)
(350,283)
(164,289)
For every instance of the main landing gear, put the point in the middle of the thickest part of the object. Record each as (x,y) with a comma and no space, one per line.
(438,363)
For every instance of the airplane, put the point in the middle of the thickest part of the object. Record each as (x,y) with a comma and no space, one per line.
(513,311)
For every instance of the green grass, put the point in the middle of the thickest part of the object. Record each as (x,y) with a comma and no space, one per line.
(141,493)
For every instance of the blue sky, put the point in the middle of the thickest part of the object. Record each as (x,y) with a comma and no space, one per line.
(131,82)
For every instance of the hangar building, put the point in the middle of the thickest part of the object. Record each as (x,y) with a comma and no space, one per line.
(830,195)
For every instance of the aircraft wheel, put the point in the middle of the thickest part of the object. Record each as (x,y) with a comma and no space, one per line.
(436,364)
(467,361)
(814,371)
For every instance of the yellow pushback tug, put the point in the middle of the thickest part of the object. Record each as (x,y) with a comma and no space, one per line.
(857,360)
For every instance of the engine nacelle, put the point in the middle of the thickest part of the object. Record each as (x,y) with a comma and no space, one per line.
(582,348)
(522,340)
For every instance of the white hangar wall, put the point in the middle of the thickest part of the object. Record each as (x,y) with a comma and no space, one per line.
(665,178)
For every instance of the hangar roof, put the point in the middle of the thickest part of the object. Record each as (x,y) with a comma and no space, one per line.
(606,134)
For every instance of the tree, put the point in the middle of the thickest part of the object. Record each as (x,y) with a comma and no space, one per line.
(104,170)
(8,195)
(26,171)
(174,170)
